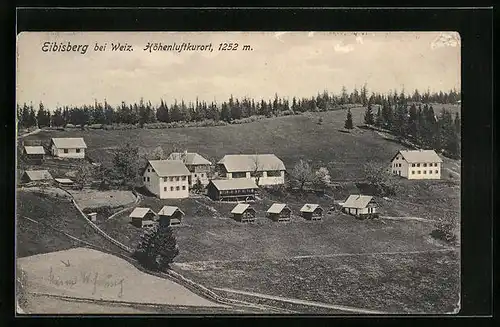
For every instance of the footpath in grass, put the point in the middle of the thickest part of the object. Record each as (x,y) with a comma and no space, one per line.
(395,283)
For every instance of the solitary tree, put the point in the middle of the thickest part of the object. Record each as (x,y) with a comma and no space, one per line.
(83,175)
(157,248)
(303,173)
(322,178)
(348,122)
(126,164)
(369,115)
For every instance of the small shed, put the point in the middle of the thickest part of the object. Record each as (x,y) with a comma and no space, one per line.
(142,217)
(311,211)
(92,216)
(36,176)
(34,154)
(64,182)
(279,212)
(170,216)
(243,212)
(361,206)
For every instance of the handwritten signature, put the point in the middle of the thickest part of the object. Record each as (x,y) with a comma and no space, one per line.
(86,278)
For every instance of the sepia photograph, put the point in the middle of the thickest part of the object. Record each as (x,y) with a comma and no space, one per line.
(253,173)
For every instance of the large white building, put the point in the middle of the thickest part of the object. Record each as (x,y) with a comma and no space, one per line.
(198,166)
(167,179)
(264,169)
(68,147)
(417,164)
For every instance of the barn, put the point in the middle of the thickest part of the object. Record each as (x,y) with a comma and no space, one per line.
(242,189)
(311,211)
(243,212)
(142,217)
(279,212)
(362,206)
(36,176)
(34,154)
(170,216)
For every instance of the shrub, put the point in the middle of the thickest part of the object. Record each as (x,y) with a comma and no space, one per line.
(157,248)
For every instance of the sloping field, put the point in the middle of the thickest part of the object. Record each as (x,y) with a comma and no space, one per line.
(90,274)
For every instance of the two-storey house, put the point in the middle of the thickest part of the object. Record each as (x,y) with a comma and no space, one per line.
(167,179)
(198,166)
(417,164)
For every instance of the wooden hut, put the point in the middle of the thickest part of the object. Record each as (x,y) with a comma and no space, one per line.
(34,154)
(243,213)
(279,212)
(238,189)
(361,206)
(170,216)
(311,211)
(36,176)
(142,217)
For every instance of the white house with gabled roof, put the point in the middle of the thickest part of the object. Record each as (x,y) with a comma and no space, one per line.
(167,179)
(198,166)
(416,164)
(68,147)
(264,169)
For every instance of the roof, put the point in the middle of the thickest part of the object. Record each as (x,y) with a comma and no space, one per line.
(38,175)
(64,180)
(69,142)
(169,167)
(140,212)
(189,158)
(34,149)
(234,184)
(241,208)
(357,201)
(169,210)
(308,207)
(414,156)
(276,208)
(247,162)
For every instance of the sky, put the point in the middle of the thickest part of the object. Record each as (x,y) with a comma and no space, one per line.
(290,64)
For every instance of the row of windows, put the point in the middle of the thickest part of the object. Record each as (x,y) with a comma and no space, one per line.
(396,165)
(425,165)
(67,150)
(239,191)
(271,173)
(177,188)
(201,175)
(424,172)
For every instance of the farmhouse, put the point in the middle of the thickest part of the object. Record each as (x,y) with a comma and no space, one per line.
(198,166)
(243,212)
(417,164)
(279,212)
(34,154)
(35,176)
(142,217)
(68,147)
(170,216)
(232,189)
(167,179)
(264,169)
(362,206)
(311,211)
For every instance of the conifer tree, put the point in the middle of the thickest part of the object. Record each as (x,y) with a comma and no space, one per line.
(369,120)
(348,122)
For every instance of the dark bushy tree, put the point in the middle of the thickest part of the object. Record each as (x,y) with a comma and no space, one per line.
(157,248)
(348,121)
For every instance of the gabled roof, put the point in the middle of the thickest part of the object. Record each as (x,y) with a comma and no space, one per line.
(189,158)
(64,180)
(241,208)
(69,142)
(415,156)
(38,175)
(34,149)
(308,207)
(169,167)
(140,212)
(248,162)
(234,184)
(277,208)
(169,210)
(357,201)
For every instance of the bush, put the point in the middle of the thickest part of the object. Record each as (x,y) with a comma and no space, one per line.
(157,248)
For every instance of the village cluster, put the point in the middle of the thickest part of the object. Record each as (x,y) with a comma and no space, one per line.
(238,179)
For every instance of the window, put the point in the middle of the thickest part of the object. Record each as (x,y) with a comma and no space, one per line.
(77,150)
(195,175)
(183,178)
(425,165)
(437,171)
(418,172)
(183,187)
(413,165)
(202,175)
(274,173)
(171,188)
(165,179)
(177,179)
(144,178)
(412,172)
(65,150)
(177,188)
(425,171)
(148,170)
(148,179)
(399,165)
(165,189)
(240,175)
(256,174)
(435,164)
(418,165)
